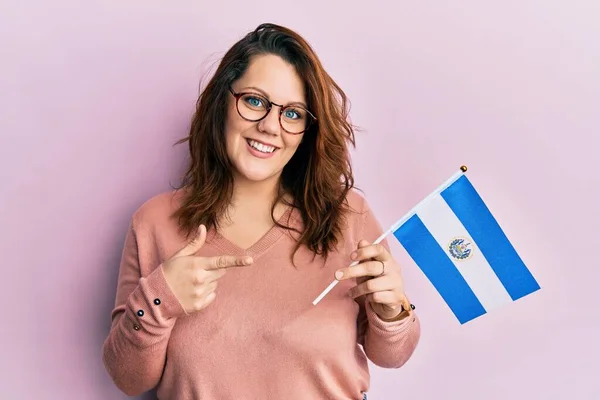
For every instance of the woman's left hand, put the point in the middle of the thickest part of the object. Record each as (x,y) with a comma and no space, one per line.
(378,277)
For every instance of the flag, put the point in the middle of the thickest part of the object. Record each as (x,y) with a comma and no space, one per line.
(455,240)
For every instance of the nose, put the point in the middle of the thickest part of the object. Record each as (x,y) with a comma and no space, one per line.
(270,123)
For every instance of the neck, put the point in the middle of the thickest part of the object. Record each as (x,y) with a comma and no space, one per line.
(250,197)
(264,192)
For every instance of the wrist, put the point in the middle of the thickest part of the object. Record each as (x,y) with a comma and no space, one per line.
(399,316)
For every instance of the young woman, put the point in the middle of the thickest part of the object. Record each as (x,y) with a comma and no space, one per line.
(217,279)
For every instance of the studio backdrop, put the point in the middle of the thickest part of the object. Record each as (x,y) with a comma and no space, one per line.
(94,95)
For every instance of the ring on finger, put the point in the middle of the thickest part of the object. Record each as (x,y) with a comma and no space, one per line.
(382,268)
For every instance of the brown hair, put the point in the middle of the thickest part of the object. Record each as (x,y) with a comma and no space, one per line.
(318,176)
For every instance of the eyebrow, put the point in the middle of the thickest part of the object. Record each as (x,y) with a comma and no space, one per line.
(301,103)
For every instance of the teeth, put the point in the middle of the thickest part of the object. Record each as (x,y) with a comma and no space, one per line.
(261,147)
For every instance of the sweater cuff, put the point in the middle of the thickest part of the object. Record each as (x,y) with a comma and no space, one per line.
(153,298)
(388,327)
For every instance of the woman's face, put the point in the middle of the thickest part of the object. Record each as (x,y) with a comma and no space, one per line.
(260,150)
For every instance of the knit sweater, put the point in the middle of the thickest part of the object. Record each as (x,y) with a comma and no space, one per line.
(261,338)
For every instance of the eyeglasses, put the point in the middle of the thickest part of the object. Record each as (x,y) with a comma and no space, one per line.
(254,107)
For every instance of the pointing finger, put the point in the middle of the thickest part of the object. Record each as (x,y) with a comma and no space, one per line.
(221,262)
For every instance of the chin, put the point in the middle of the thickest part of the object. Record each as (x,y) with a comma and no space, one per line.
(256,175)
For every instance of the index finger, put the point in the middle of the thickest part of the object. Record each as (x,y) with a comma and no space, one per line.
(375,251)
(221,262)
(369,268)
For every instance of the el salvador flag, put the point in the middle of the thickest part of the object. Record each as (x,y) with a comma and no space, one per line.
(457,243)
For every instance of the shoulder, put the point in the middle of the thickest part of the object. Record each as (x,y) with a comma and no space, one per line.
(157,210)
(357,203)
(356,207)
(362,219)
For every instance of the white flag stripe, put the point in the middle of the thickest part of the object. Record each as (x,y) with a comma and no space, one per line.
(444,226)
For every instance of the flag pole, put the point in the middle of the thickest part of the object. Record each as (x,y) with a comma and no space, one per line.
(399,223)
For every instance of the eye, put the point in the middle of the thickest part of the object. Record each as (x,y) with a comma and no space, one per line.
(254,101)
(293,113)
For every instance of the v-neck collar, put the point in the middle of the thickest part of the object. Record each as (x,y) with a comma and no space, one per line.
(259,247)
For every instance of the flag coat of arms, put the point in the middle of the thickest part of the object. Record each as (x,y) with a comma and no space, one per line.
(455,240)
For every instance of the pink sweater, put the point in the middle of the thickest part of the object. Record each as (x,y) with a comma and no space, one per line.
(261,338)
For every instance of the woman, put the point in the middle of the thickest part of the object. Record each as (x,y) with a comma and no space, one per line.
(217,279)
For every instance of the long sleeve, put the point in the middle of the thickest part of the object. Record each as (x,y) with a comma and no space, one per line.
(145,312)
(386,344)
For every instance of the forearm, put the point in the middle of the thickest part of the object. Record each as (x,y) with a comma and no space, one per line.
(134,352)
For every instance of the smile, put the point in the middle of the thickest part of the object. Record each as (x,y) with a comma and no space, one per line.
(263,148)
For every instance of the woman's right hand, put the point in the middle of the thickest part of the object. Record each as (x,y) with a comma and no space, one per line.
(193,279)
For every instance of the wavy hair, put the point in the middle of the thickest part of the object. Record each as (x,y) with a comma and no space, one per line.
(318,176)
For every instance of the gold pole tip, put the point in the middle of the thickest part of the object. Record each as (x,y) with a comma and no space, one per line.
(463,168)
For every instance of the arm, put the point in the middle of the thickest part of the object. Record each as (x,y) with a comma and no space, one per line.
(134,352)
(388,344)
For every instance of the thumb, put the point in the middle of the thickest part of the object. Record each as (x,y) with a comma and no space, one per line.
(363,243)
(196,244)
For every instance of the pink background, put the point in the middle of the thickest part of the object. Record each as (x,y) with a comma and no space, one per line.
(93,95)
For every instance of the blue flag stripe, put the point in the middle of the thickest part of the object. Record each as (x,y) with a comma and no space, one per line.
(437,267)
(473,213)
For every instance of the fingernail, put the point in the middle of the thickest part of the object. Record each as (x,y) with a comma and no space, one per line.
(339,275)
